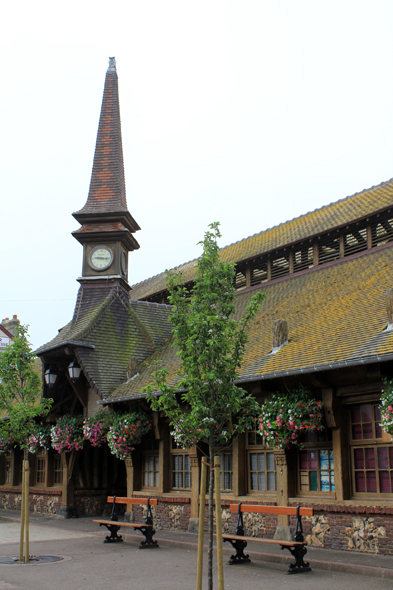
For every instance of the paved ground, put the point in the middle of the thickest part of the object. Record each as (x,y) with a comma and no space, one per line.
(92,564)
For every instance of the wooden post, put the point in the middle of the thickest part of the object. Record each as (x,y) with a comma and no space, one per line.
(129,515)
(282,485)
(27,482)
(220,561)
(22,514)
(194,482)
(201,531)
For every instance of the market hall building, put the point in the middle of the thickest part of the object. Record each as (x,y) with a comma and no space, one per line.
(326,324)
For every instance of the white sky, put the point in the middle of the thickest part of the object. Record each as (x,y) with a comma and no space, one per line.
(244,112)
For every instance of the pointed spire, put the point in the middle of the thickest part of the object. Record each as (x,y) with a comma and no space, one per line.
(107,193)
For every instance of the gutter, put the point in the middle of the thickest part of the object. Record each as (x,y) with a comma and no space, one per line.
(61,344)
(266,376)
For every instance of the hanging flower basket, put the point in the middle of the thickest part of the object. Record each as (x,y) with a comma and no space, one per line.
(95,428)
(126,432)
(40,438)
(386,407)
(67,434)
(5,445)
(286,417)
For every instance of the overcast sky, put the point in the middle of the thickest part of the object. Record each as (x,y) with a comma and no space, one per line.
(245,112)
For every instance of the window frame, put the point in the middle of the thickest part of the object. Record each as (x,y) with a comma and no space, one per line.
(371,443)
(178,451)
(317,445)
(258,447)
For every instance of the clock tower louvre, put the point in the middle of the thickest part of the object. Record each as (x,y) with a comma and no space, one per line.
(107,227)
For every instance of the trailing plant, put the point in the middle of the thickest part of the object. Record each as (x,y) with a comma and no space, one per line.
(40,438)
(386,407)
(67,434)
(126,432)
(95,428)
(286,417)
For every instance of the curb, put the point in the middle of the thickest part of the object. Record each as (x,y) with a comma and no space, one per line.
(363,570)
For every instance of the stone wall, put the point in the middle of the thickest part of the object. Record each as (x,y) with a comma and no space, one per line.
(169,514)
(40,501)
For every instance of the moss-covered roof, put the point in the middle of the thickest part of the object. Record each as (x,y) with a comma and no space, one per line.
(107,330)
(335,315)
(335,215)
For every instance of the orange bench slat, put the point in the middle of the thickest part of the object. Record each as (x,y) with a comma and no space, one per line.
(289,510)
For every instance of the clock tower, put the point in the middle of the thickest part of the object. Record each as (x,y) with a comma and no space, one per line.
(107,227)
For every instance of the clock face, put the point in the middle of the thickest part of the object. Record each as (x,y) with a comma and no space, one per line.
(100,258)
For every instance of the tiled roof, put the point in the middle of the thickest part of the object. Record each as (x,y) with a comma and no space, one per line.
(118,330)
(335,215)
(335,315)
(107,193)
(92,227)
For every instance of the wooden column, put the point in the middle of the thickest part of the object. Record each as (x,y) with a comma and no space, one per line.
(282,484)
(239,466)
(335,415)
(342,484)
(248,276)
(165,456)
(129,515)
(291,262)
(315,254)
(69,461)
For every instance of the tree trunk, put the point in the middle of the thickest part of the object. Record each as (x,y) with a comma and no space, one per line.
(210,537)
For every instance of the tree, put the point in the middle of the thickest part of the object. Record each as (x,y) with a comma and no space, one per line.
(20,402)
(206,406)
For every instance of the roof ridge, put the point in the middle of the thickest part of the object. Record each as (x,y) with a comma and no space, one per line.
(142,328)
(85,331)
(183,266)
(308,213)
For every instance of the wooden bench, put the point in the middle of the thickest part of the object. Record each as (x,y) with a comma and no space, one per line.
(297,547)
(113,525)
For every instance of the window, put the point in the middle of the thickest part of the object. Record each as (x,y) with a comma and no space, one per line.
(382,232)
(279,267)
(57,470)
(181,467)
(260,464)
(303,258)
(316,470)
(315,462)
(240,280)
(328,250)
(226,471)
(8,469)
(258,273)
(372,459)
(150,471)
(41,469)
(150,463)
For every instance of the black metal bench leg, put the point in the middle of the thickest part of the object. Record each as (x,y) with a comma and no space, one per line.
(113,537)
(240,556)
(300,566)
(148,543)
